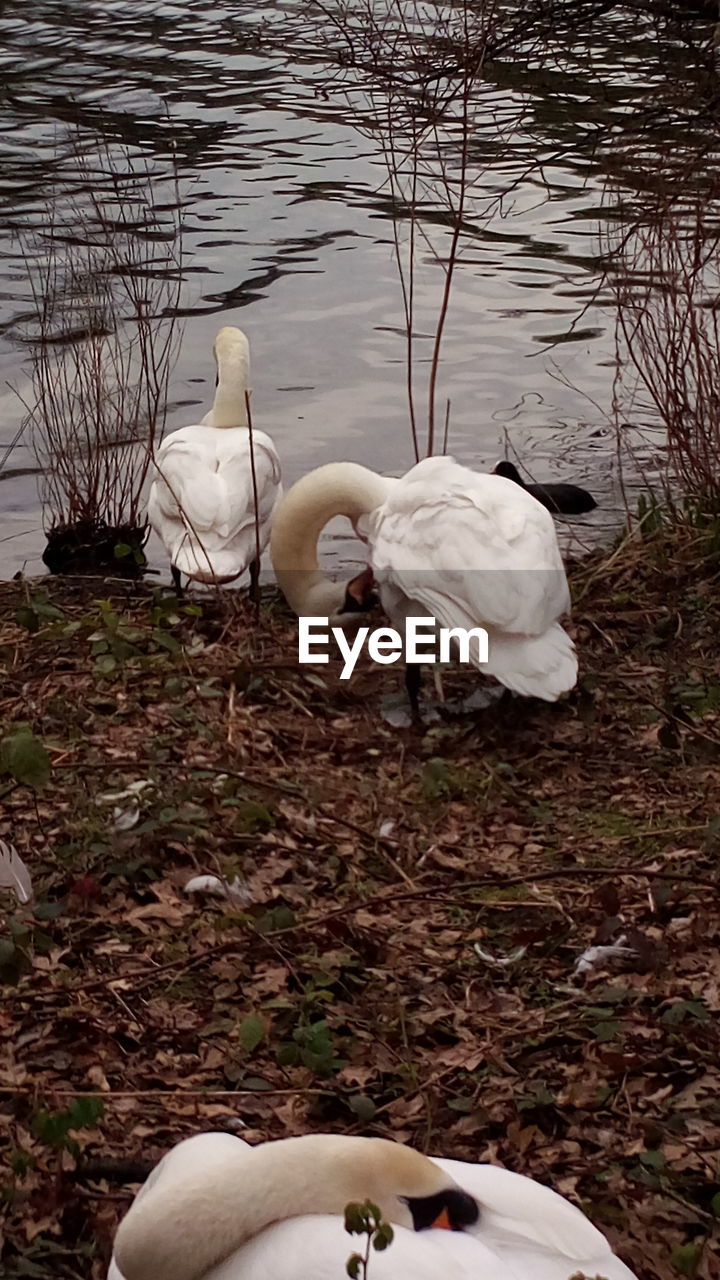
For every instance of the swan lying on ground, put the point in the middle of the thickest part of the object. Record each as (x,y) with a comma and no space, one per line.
(202,502)
(216,1209)
(470,550)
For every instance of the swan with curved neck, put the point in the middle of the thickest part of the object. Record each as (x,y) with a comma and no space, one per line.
(216,1209)
(203,499)
(337,489)
(247,1190)
(469,549)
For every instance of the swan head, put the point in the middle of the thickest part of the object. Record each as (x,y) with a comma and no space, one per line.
(508,470)
(229,341)
(338,488)
(360,594)
(408,1188)
(312,595)
(232,372)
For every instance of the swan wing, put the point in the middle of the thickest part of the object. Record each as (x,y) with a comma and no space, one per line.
(187,485)
(235,477)
(202,502)
(317,1247)
(206,475)
(543,666)
(535,1231)
(472,549)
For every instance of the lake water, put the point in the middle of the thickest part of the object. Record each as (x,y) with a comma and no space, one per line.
(288,233)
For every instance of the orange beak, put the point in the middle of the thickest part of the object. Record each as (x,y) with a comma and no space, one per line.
(443,1221)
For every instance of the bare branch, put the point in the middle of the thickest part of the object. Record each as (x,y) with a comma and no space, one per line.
(106,276)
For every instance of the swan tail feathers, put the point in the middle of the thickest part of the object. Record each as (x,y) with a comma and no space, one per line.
(536,666)
(204,562)
(543,666)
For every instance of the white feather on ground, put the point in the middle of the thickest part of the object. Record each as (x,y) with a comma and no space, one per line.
(14,874)
(235,890)
(593,957)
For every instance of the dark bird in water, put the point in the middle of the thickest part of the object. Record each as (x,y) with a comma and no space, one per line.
(561,499)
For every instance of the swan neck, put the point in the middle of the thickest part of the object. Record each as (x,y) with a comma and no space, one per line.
(229,405)
(187,1223)
(340,488)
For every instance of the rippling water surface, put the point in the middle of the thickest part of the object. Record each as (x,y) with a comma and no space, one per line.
(288,233)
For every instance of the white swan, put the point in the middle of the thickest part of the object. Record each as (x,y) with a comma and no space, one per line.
(202,501)
(471,550)
(217,1209)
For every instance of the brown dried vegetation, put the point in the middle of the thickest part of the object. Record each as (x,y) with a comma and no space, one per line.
(341,989)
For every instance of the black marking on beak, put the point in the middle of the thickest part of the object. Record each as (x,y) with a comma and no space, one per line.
(359,594)
(452,1208)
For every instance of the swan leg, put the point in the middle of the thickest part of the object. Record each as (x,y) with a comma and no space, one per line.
(255,581)
(177,581)
(437,681)
(412,684)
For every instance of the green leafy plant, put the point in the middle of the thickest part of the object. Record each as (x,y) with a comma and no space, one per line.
(252,816)
(311,1046)
(366,1220)
(113,641)
(440,780)
(54,1127)
(251,1032)
(37,611)
(680,1010)
(116,641)
(168,611)
(686,1258)
(24,758)
(540,1096)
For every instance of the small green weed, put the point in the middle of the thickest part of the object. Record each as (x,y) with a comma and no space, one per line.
(366,1220)
(54,1127)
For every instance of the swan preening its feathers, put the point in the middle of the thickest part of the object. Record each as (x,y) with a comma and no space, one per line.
(217,1209)
(202,502)
(469,549)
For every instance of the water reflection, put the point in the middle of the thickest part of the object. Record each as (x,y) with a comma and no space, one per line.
(287,227)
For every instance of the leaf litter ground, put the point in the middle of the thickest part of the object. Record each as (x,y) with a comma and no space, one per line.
(396,953)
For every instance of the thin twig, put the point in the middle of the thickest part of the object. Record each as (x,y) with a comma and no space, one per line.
(256,512)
